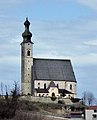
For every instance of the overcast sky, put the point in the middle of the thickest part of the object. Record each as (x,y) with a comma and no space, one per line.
(63,29)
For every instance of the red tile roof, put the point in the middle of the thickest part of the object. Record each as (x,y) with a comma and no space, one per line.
(91,107)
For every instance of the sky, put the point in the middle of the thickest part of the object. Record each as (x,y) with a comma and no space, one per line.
(62,29)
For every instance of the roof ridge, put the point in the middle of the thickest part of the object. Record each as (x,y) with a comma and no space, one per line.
(52,59)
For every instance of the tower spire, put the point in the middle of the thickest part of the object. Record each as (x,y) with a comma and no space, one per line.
(26,34)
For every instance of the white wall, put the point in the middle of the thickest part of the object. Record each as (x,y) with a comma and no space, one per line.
(88,114)
(61,85)
(26,63)
(73,90)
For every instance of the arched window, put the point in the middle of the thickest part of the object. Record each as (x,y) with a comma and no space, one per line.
(53,94)
(44,85)
(57,86)
(65,85)
(28,93)
(28,53)
(70,87)
(38,87)
(38,83)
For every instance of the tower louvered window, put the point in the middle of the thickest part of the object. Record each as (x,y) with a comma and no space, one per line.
(28,53)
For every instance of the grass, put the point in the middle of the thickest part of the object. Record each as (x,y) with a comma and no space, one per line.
(25,110)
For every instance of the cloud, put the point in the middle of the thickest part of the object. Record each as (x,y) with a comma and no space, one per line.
(85,60)
(5,4)
(12,3)
(10,60)
(53,35)
(91,43)
(90,3)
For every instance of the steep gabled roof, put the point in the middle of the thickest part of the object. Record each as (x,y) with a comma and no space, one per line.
(53,69)
(52,84)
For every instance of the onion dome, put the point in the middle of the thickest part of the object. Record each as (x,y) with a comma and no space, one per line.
(26,34)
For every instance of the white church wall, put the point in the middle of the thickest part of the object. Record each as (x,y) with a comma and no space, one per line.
(61,85)
(71,86)
(40,83)
(26,63)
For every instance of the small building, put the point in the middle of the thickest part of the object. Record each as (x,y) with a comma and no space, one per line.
(91,113)
(44,77)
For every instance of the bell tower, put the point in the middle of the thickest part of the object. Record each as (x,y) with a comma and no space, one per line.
(26,60)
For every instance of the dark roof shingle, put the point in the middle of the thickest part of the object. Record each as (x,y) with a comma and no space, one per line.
(53,69)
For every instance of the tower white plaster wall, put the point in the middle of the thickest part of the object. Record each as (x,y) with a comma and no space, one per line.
(26,68)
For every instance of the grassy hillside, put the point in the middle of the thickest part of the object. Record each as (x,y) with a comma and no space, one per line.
(24,110)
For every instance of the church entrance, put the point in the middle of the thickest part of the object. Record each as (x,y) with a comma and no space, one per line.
(53,94)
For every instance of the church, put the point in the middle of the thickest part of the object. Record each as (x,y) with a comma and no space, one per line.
(44,77)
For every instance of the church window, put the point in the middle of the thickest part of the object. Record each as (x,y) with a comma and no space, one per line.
(38,83)
(94,116)
(65,85)
(70,87)
(53,94)
(28,93)
(57,86)
(28,53)
(95,110)
(44,85)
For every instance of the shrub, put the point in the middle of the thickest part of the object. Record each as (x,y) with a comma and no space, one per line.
(8,105)
(27,116)
(53,98)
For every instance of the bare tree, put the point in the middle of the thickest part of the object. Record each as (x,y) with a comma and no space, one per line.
(1,88)
(88,98)
(8,106)
(84,97)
